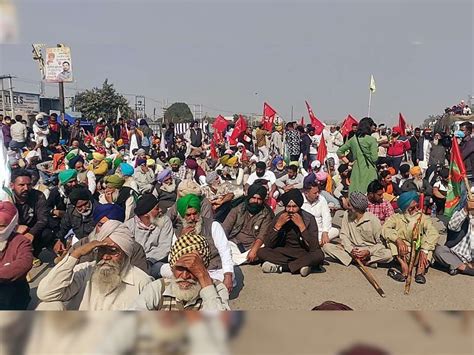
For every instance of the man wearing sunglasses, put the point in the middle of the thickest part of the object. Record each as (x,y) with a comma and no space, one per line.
(108,283)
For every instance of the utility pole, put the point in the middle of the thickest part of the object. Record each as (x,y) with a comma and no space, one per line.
(12,104)
(11,97)
(3,99)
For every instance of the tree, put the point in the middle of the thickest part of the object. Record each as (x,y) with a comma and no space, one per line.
(103,102)
(179,112)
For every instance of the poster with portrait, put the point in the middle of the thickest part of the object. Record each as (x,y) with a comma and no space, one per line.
(58,65)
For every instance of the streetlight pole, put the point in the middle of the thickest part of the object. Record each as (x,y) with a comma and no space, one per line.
(3,99)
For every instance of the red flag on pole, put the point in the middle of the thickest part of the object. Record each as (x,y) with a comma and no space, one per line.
(302,121)
(220,124)
(322,150)
(217,137)
(213,151)
(346,126)
(317,124)
(240,127)
(402,124)
(244,157)
(268,117)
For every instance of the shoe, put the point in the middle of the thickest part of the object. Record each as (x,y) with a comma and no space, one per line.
(37,262)
(468,271)
(305,271)
(270,268)
(420,279)
(396,275)
(453,272)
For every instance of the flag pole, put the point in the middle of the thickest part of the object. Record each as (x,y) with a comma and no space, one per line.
(370,102)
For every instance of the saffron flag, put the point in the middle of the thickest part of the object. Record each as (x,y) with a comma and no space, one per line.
(322,150)
(240,127)
(317,124)
(372,84)
(220,124)
(346,126)
(402,124)
(457,174)
(268,117)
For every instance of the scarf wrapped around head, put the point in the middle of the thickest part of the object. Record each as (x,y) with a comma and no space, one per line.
(188,201)
(109,210)
(76,159)
(406,198)
(359,201)
(294,195)
(187,244)
(10,213)
(114,181)
(67,175)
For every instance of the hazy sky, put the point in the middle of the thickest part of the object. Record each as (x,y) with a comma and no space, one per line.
(231,56)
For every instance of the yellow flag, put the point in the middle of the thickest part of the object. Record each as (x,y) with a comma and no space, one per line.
(372,84)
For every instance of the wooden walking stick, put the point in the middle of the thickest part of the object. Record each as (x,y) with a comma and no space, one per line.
(413,253)
(370,277)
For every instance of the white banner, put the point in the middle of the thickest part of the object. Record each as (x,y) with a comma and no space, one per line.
(58,66)
(23,103)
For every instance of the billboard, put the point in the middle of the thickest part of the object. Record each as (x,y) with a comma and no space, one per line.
(58,65)
(24,104)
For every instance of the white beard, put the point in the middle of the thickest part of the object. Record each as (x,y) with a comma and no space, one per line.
(197,226)
(158,221)
(185,295)
(106,276)
(418,183)
(168,188)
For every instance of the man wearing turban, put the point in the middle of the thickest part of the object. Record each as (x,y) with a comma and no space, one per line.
(98,165)
(144,178)
(178,170)
(291,244)
(418,184)
(116,192)
(360,235)
(108,283)
(15,261)
(221,266)
(247,225)
(190,286)
(398,233)
(166,188)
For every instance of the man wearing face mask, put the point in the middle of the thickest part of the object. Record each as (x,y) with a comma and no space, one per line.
(78,217)
(360,236)
(247,225)
(153,230)
(290,244)
(398,233)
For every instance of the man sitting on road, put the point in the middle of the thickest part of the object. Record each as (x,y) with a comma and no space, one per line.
(190,286)
(290,244)
(247,225)
(153,231)
(360,236)
(292,180)
(398,232)
(109,283)
(377,205)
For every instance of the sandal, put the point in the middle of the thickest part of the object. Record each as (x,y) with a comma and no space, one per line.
(396,275)
(420,279)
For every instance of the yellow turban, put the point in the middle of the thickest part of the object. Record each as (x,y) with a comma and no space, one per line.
(231,161)
(150,162)
(416,170)
(223,160)
(98,156)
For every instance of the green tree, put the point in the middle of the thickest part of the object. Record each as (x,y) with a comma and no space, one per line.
(179,112)
(102,102)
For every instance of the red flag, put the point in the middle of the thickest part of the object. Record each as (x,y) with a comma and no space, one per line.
(457,170)
(220,124)
(322,150)
(346,126)
(214,151)
(302,121)
(240,127)
(217,137)
(317,124)
(421,203)
(245,157)
(402,124)
(268,117)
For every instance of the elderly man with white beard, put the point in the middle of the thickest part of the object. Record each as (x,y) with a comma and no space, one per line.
(221,266)
(190,286)
(154,232)
(108,283)
(166,189)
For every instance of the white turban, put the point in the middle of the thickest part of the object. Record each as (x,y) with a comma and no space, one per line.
(119,234)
